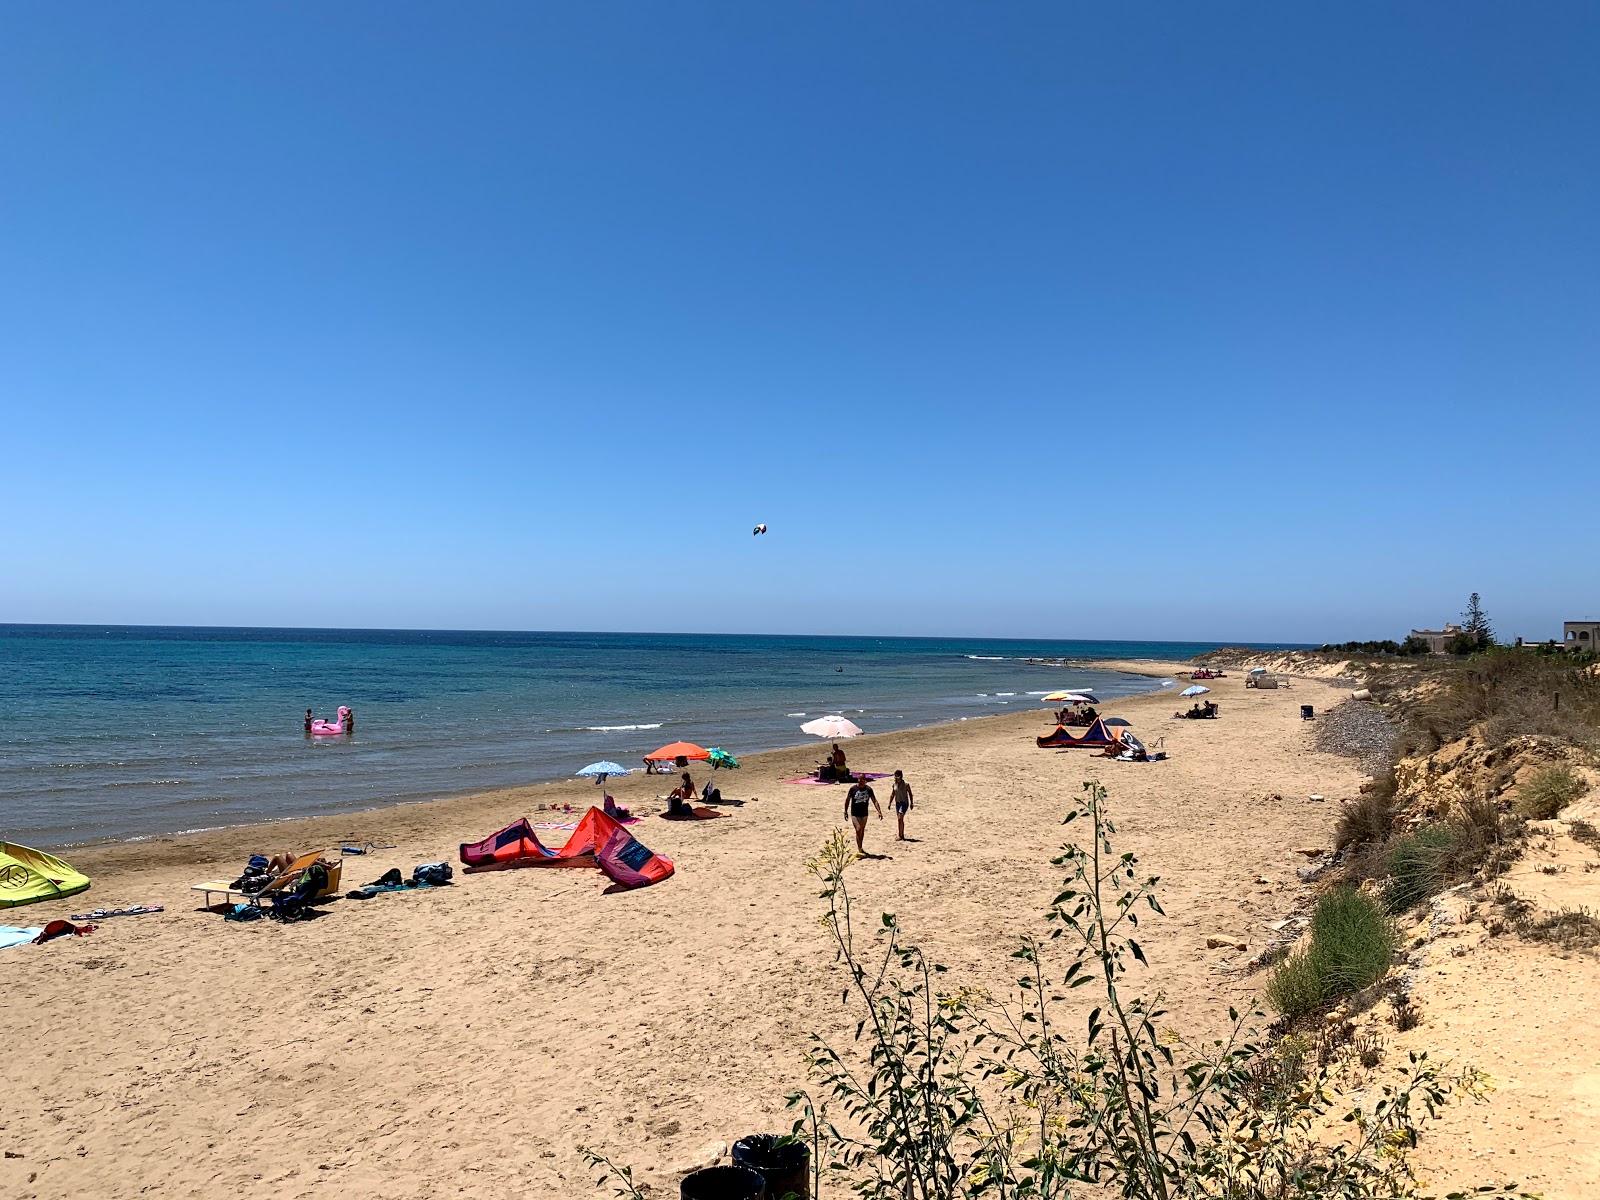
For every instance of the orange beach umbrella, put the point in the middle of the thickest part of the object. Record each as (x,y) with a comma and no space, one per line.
(678,750)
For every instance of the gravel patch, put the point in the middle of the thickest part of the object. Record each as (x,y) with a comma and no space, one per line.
(1358,729)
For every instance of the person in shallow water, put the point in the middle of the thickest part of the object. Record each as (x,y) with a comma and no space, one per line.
(855,807)
(349,720)
(308,720)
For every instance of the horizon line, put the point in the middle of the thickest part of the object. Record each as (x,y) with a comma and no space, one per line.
(1220,643)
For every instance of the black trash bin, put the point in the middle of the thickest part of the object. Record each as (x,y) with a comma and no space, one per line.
(786,1167)
(723,1183)
(1306,712)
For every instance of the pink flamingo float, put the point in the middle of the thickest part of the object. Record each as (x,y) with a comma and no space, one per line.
(332,728)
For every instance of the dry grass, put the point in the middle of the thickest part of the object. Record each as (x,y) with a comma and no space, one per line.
(1504,693)
(1548,791)
(1572,929)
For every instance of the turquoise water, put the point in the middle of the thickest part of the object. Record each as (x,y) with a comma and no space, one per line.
(124,732)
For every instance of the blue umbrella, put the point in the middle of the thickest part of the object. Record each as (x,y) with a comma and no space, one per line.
(601,769)
(1196,690)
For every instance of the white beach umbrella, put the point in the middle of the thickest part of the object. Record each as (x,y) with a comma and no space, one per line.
(1196,690)
(831,727)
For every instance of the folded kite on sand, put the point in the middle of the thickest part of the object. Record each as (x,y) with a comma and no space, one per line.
(598,841)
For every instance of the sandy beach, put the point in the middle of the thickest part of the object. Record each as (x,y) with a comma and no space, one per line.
(465,1041)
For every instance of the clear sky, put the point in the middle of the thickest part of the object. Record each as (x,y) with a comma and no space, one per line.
(1224,321)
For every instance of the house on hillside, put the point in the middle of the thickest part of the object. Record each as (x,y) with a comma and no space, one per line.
(1438,639)
(1580,635)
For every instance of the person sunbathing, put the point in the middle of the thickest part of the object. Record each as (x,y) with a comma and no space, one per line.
(678,799)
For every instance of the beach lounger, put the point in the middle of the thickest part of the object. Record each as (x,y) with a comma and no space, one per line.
(228,894)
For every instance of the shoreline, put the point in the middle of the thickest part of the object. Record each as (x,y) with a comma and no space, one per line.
(627,790)
(87,849)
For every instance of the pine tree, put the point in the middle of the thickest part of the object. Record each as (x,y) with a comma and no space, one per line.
(1475,624)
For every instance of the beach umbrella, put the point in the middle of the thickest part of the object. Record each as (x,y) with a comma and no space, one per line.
(601,769)
(1072,697)
(1196,690)
(721,758)
(678,750)
(1115,723)
(831,727)
(1258,670)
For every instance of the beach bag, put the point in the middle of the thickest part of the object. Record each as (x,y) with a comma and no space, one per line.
(434,874)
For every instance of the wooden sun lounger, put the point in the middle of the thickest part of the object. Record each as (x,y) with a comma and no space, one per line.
(232,895)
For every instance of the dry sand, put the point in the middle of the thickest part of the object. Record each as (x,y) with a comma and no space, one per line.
(466,1041)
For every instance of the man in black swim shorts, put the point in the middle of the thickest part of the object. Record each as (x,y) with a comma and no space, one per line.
(900,796)
(855,807)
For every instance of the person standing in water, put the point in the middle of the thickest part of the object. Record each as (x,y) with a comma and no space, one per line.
(855,806)
(900,796)
(308,720)
(349,720)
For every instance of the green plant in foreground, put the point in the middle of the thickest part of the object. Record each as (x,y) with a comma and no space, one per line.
(953,1094)
(1548,791)
(1351,944)
(1417,866)
(950,1093)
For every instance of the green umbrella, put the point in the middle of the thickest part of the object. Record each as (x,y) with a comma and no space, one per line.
(721,758)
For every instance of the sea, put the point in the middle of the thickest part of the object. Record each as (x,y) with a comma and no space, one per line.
(122,733)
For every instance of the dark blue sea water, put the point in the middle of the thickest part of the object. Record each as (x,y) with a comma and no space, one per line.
(110,733)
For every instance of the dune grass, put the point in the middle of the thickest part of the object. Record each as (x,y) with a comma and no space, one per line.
(1351,944)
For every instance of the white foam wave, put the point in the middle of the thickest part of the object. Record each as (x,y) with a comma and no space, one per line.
(617,728)
(1005,693)
(794,714)
(987,657)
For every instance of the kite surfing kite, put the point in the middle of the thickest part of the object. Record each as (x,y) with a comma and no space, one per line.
(758,529)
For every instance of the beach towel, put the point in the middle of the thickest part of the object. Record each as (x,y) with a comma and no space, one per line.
(813,781)
(12,935)
(698,813)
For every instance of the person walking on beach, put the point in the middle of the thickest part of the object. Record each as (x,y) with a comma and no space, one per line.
(900,797)
(855,806)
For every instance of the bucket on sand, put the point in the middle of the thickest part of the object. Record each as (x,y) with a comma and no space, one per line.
(1307,712)
(723,1183)
(786,1167)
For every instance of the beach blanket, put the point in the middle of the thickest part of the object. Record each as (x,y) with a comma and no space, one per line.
(12,935)
(813,781)
(573,824)
(698,813)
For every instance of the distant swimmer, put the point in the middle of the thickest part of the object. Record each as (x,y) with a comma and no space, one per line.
(758,529)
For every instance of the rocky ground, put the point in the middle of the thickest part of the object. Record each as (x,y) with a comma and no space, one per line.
(1358,730)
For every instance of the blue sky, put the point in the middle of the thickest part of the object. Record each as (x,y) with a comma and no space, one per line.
(1237,321)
